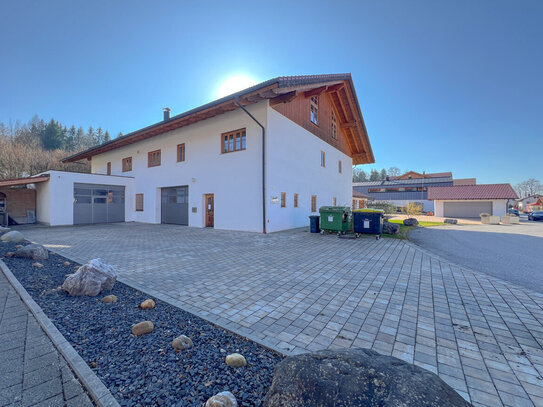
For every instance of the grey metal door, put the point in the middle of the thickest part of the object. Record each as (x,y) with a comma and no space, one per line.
(98,203)
(467,209)
(175,205)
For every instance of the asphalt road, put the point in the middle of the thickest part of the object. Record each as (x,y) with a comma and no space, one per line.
(511,252)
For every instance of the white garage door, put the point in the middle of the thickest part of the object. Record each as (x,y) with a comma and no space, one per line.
(468,209)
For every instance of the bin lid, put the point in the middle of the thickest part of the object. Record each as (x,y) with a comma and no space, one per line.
(369,210)
(334,209)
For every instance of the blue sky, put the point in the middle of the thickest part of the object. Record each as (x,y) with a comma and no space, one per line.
(443,86)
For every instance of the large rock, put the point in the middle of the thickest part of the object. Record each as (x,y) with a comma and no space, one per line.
(14,237)
(356,377)
(222,399)
(391,228)
(235,360)
(410,222)
(32,251)
(143,328)
(91,279)
(182,342)
(4,230)
(451,221)
(148,304)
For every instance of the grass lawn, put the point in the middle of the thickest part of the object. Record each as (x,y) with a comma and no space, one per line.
(404,230)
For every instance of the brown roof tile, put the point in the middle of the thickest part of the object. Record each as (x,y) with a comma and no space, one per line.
(472,192)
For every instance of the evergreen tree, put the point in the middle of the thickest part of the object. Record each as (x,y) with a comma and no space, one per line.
(360,176)
(80,139)
(107,137)
(383,174)
(99,139)
(91,137)
(71,139)
(52,136)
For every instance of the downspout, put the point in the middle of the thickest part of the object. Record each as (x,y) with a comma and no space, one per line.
(263,163)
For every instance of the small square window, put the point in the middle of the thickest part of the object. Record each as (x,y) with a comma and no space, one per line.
(283,199)
(295,200)
(313,203)
(127,164)
(339,167)
(234,141)
(323,159)
(153,158)
(108,168)
(334,201)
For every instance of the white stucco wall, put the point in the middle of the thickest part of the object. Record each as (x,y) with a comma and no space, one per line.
(499,206)
(55,198)
(234,178)
(294,166)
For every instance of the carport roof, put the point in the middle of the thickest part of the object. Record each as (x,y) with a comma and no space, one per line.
(23,181)
(472,192)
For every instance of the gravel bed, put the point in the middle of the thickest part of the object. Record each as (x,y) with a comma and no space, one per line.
(146,370)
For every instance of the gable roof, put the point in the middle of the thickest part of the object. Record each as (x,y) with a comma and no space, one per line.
(278,89)
(482,191)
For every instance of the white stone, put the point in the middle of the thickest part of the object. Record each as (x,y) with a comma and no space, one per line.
(91,279)
(14,236)
(222,399)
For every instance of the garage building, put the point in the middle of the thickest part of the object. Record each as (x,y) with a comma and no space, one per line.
(469,201)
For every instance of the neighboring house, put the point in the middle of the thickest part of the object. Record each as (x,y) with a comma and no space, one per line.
(522,203)
(260,160)
(409,187)
(535,206)
(360,200)
(469,201)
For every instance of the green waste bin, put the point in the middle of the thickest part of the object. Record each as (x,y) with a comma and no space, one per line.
(335,219)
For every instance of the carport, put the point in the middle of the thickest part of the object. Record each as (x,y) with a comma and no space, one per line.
(18,200)
(469,201)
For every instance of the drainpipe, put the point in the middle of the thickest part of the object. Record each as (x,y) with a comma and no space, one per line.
(263,163)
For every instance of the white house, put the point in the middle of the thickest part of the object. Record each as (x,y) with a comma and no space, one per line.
(260,160)
(469,201)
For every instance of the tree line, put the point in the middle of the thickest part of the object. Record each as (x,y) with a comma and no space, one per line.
(37,146)
(375,175)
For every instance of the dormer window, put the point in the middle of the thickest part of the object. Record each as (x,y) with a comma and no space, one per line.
(314,109)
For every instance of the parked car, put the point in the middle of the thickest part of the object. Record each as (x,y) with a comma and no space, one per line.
(513,212)
(535,215)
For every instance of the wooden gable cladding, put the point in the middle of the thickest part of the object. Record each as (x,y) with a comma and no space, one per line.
(336,98)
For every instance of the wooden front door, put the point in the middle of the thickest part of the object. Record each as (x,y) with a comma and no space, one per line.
(210,210)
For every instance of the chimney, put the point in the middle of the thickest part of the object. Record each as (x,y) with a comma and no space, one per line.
(166,113)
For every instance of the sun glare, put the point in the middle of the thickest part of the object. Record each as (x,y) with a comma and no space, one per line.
(234,84)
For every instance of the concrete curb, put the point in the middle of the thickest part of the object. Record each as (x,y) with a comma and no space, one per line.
(94,386)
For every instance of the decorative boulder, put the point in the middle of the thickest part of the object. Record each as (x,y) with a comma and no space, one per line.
(356,377)
(222,399)
(32,251)
(410,222)
(143,328)
(37,265)
(451,221)
(236,360)
(109,298)
(182,342)
(91,279)
(66,263)
(391,228)
(148,304)
(14,237)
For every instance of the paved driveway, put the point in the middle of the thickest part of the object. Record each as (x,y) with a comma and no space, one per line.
(511,252)
(296,291)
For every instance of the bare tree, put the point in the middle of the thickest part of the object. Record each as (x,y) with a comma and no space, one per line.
(529,187)
(394,172)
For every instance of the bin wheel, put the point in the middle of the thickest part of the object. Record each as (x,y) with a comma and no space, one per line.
(339,233)
(357,235)
(322,232)
(377,237)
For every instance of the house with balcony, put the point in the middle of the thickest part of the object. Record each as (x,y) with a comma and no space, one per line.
(262,159)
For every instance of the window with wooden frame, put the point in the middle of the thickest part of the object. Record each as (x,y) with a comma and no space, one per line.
(283,199)
(233,141)
(181,152)
(153,158)
(334,126)
(108,170)
(339,167)
(139,202)
(127,164)
(323,159)
(295,200)
(334,201)
(314,109)
(313,203)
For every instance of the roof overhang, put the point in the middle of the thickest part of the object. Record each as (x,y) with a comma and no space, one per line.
(277,90)
(23,181)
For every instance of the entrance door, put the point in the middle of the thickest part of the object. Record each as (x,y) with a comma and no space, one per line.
(175,205)
(210,210)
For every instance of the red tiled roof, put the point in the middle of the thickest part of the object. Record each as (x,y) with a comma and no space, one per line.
(482,191)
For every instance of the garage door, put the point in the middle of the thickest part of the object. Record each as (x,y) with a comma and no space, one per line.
(468,209)
(175,205)
(98,203)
